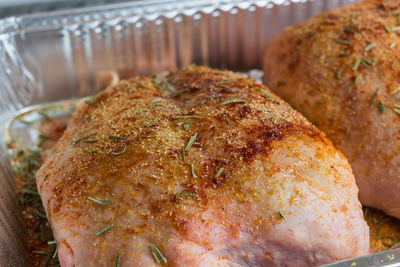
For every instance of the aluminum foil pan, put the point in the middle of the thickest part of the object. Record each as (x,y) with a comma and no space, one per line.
(58,56)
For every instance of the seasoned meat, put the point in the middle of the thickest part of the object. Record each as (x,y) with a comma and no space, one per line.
(200,168)
(341,70)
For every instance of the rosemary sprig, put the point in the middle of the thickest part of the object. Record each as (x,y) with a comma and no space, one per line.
(233,101)
(100,202)
(158,256)
(105,229)
(117,137)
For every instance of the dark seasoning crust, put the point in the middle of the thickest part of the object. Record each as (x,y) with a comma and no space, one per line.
(345,45)
(153,120)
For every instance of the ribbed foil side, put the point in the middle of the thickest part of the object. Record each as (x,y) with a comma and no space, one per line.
(55,56)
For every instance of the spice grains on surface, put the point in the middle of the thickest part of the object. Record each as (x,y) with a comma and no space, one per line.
(199,168)
(340,69)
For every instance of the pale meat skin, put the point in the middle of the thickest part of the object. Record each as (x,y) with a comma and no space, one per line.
(285,195)
(314,67)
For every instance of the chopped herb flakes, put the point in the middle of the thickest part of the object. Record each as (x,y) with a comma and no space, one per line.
(105,229)
(343,54)
(100,202)
(392,45)
(219,172)
(117,137)
(381,107)
(369,47)
(158,256)
(281,215)
(387,29)
(397,110)
(356,64)
(232,101)
(119,153)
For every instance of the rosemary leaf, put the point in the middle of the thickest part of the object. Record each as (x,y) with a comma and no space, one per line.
(281,215)
(185,117)
(105,229)
(344,42)
(100,202)
(219,172)
(373,97)
(190,143)
(369,47)
(185,195)
(149,124)
(192,171)
(119,153)
(232,101)
(369,61)
(158,256)
(118,260)
(356,64)
(117,137)
(381,107)
(82,138)
(339,74)
(392,45)
(395,91)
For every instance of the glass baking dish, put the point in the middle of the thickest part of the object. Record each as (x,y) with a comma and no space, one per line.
(59,56)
